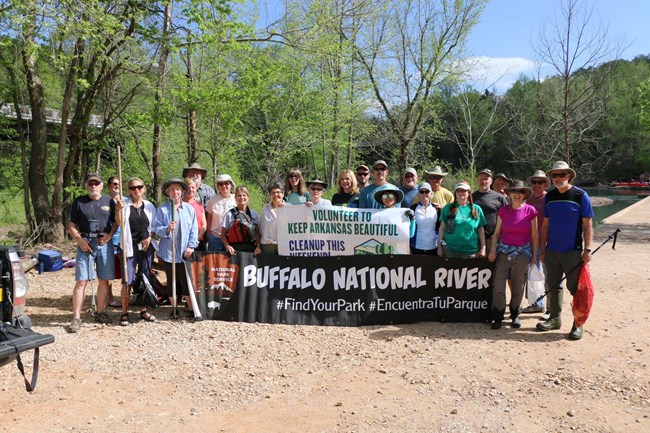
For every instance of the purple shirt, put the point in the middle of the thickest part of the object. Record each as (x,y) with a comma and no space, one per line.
(538,204)
(515,224)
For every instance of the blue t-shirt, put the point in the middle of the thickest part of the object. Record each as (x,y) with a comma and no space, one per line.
(409,195)
(565,212)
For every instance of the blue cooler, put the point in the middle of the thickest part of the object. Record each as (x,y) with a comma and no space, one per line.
(51,260)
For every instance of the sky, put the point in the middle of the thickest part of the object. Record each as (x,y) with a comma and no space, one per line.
(502,42)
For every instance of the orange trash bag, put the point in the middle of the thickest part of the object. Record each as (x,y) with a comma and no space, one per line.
(584,297)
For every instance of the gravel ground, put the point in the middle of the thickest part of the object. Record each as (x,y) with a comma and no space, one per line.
(439,377)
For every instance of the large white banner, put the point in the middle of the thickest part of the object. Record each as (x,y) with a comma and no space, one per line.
(342,231)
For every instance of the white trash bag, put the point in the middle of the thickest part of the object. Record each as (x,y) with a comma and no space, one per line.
(536,283)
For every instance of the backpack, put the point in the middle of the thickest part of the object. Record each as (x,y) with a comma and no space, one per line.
(243,229)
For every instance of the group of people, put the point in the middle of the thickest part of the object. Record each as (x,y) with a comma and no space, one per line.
(512,223)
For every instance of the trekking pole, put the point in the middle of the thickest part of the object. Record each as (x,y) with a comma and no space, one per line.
(125,270)
(174,303)
(610,237)
(92,279)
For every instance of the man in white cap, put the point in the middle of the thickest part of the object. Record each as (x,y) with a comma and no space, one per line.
(489,201)
(197,173)
(409,186)
(92,225)
(539,183)
(439,194)
(379,178)
(566,241)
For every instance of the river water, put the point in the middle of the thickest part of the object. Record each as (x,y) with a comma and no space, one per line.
(622,198)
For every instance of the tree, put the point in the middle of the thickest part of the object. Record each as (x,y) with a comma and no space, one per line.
(407,48)
(571,101)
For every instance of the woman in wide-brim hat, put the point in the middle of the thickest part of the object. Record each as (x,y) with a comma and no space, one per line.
(175,222)
(316,189)
(388,196)
(514,247)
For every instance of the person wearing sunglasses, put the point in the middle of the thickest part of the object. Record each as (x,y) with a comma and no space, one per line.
(462,226)
(295,189)
(514,247)
(566,241)
(138,216)
(92,224)
(391,197)
(363,176)
(538,183)
(348,192)
(379,179)
(439,194)
(425,238)
(218,206)
(316,189)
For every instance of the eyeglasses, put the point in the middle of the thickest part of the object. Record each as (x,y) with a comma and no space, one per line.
(223,183)
(316,189)
(380,168)
(134,187)
(517,191)
(277,192)
(559,175)
(435,177)
(94,183)
(363,173)
(294,176)
(115,183)
(424,191)
(390,195)
(538,182)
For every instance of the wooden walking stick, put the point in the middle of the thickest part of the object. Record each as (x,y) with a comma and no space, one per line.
(174,308)
(125,270)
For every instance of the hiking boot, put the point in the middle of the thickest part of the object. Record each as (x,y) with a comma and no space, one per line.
(554,323)
(103,318)
(74,326)
(175,314)
(576,332)
(531,309)
(516,322)
(497,324)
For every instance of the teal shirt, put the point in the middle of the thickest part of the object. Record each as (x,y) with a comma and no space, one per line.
(464,237)
(295,198)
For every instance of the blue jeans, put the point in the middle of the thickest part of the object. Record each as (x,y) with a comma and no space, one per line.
(215,243)
(103,258)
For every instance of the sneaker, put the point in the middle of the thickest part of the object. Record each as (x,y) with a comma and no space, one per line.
(74,326)
(545,316)
(496,324)
(516,322)
(531,309)
(103,318)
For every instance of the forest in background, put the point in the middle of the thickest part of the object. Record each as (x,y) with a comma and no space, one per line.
(329,85)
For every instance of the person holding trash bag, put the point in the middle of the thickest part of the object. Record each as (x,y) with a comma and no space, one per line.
(92,225)
(566,241)
(514,248)
(138,215)
(176,225)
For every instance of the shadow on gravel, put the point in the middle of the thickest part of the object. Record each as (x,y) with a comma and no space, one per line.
(472,331)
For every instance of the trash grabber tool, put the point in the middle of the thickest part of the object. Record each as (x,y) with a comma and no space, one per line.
(610,237)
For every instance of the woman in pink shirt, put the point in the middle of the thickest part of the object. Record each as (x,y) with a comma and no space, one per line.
(514,248)
(198,207)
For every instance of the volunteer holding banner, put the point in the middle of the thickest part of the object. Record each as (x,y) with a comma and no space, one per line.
(462,233)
